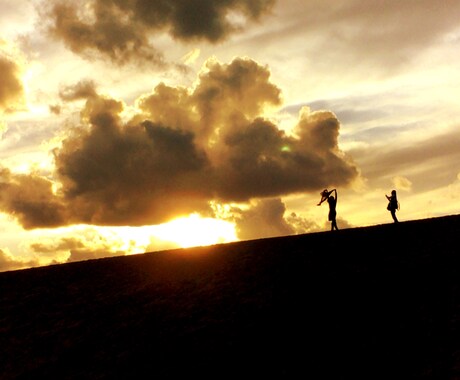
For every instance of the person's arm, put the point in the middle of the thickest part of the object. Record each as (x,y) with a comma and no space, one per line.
(323,198)
(326,196)
(336,196)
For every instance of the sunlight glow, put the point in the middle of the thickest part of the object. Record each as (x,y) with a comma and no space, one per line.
(196,231)
(186,232)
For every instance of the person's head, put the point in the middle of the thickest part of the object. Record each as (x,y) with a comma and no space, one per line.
(393,192)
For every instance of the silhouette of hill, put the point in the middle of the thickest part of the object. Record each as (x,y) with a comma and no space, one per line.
(378,302)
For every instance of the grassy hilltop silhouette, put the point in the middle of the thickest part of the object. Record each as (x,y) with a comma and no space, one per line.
(380,302)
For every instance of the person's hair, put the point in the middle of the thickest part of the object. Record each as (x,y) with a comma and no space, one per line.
(393,192)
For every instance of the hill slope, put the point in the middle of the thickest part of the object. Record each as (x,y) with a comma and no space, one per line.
(374,302)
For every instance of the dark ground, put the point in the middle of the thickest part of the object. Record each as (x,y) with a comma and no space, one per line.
(379,302)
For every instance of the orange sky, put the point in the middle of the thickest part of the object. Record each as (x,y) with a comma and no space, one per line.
(229,115)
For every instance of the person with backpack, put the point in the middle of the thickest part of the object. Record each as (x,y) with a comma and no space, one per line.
(393,205)
(327,195)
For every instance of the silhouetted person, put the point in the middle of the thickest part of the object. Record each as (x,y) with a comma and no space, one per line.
(327,195)
(393,205)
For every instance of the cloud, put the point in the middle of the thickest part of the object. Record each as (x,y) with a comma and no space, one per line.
(434,158)
(82,90)
(123,30)
(9,262)
(191,56)
(301,225)
(55,109)
(3,129)
(184,148)
(30,199)
(402,183)
(146,173)
(391,32)
(11,86)
(45,247)
(356,37)
(264,219)
(70,249)
(341,223)
(92,254)
(268,218)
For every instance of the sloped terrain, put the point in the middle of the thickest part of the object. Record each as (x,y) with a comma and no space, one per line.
(378,302)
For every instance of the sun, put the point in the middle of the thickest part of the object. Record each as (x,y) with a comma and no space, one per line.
(195,230)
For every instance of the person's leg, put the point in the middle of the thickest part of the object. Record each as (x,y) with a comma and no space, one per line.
(334,225)
(393,214)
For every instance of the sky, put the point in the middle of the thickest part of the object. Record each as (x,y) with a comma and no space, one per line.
(137,126)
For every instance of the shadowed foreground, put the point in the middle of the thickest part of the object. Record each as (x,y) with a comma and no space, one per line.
(375,302)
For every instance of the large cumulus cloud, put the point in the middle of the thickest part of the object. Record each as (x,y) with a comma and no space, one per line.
(123,30)
(118,174)
(184,148)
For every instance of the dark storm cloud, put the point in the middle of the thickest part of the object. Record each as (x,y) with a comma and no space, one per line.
(122,30)
(11,88)
(187,147)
